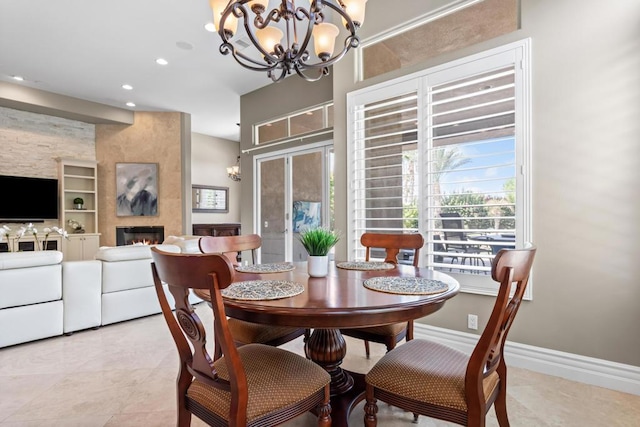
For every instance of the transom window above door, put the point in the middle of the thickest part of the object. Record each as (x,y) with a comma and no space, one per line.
(297,124)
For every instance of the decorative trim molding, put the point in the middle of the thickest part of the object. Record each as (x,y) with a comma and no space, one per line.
(574,367)
(448,9)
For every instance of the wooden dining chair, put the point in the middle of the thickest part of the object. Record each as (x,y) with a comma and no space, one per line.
(393,333)
(252,385)
(432,379)
(247,332)
(231,246)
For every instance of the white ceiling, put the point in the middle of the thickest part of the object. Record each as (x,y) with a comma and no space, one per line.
(89,48)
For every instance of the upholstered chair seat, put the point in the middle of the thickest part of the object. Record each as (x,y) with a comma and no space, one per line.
(248,332)
(274,381)
(428,378)
(251,385)
(406,371)
(386,330)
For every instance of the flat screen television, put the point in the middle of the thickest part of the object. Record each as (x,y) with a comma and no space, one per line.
(28,199)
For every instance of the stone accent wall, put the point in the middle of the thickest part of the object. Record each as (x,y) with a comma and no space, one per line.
(30,143)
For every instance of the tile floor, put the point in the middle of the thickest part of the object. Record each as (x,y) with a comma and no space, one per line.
(124,374)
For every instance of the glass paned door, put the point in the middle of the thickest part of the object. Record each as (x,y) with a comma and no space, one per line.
(272,224)
(307,192)
(294,195)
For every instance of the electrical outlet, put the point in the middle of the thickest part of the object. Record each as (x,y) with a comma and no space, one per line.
(472,321)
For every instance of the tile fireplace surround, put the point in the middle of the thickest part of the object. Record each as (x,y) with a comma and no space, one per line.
(139,234)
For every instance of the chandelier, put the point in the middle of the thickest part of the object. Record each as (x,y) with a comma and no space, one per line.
(234,171)
(281,36)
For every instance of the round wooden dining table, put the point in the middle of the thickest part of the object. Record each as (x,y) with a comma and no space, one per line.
(338,301)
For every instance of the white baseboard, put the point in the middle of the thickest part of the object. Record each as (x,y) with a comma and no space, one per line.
(588,370)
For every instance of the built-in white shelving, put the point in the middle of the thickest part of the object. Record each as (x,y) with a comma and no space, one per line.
(79,179)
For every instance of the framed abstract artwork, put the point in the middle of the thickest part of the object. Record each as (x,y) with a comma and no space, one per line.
(136,189)
(306,215)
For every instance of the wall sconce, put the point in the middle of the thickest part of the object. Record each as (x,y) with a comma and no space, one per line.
(234,171)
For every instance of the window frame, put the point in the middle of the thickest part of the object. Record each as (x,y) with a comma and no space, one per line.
(323,108)
(518,54)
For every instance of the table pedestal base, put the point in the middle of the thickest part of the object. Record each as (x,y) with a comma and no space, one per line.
(327,348)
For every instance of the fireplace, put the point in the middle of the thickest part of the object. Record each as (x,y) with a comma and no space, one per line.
(149,235)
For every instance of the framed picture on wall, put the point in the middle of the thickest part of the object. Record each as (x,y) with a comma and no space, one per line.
(137,189)
(208,199)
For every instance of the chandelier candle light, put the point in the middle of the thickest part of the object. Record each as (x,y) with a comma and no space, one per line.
(266,29)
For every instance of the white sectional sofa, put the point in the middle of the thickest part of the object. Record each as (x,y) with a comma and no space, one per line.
(127,283)
(41,296)
(81,290)
(31,304)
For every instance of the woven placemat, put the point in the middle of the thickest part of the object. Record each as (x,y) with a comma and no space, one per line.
(366,265)
(265,268)
(406,285)
(262,290)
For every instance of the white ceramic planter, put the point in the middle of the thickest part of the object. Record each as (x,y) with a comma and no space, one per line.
(318,266)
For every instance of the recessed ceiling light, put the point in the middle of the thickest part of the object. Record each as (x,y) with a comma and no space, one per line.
(130,104)
(210,27)
(184,45)
(18,78)
(127,87)
(162,61)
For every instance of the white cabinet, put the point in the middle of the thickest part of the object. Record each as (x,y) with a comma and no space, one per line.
(80,247)
(28,243)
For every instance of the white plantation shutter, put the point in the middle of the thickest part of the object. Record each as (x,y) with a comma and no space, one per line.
(446,142)
(473,123)
(385,151)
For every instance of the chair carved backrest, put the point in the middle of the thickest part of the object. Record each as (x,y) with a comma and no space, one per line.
(509,267)
(230,246)
(392,243)
(182,272)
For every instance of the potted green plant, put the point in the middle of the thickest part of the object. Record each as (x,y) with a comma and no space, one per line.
(78,202)
(318,242)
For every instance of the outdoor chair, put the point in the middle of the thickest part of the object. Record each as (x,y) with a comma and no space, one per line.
(393,333)
(453,233)
(252,385)
(247,332)
(432,379)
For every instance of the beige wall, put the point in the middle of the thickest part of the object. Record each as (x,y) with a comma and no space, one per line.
(481,21)
(272,101)
(209,160)
(586,104)
(153,138)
